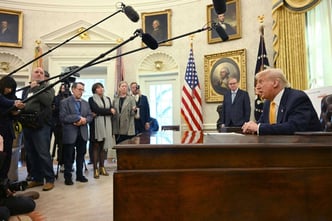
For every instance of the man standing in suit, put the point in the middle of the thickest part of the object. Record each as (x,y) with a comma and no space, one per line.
(75,115)
(285,110)
(236,106)
(142,117)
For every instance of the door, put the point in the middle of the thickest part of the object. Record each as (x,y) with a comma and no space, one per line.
(163,93)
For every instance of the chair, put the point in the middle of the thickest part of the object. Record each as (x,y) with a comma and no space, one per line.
(219,110)
(171,127)
(326,113)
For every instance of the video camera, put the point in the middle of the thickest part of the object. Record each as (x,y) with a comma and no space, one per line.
(70,79)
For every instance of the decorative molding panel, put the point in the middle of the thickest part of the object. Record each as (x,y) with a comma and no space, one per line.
(94,36)
(158,62)
(10,62)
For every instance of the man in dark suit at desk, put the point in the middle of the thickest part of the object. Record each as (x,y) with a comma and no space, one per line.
(285,111)
(236,106)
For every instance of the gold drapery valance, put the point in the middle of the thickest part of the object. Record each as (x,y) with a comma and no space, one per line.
(289,39)
(300,5)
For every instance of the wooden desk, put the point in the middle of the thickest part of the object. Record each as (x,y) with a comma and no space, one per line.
(227,177)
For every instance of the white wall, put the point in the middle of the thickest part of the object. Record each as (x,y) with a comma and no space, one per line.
(185,18)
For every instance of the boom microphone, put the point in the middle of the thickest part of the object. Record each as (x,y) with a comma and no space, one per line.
(219,6)
(130,12)
(147,39)
(221,32)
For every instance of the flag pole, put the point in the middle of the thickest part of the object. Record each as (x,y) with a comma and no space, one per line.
(261,30)
(191,100)
(262,62)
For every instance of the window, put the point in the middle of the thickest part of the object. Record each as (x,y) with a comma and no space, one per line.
(319,44)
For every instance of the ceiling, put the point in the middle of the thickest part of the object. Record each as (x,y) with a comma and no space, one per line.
(89,6)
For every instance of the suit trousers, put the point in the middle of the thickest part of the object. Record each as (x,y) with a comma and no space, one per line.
(68,154)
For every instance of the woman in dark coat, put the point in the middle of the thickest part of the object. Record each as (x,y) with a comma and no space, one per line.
(7,91)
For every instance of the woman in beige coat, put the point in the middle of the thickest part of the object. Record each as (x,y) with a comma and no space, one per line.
(123,120)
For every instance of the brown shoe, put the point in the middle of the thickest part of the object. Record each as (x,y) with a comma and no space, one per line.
(48,186)
(34,184)
(32,194)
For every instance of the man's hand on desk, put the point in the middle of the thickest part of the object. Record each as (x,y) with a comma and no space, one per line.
(250,127)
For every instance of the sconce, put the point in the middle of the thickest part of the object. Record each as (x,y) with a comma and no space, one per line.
(158,65)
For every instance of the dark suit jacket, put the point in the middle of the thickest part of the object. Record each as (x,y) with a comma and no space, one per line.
(68,116)
(237,113)
(295,114)
(144,112)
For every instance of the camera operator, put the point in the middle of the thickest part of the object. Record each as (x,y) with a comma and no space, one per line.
(63,93)
(35,118)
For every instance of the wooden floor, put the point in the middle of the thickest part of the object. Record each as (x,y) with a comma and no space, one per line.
(81,201)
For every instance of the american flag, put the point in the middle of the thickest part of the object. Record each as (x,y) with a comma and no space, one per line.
(262,61)
(192,137)
(191,102)
(119,70)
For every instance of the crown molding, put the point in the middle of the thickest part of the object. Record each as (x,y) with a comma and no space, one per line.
(90,6)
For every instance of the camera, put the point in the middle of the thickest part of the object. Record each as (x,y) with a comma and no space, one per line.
(137,87)
(18,186)
(12,186)
(70,79)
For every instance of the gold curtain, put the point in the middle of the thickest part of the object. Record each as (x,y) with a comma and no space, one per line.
(289,39)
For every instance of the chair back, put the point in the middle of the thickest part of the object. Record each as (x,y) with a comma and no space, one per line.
(326,113)
(171,127)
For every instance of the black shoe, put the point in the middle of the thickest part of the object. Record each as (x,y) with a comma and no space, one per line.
(69,182)
(82,179)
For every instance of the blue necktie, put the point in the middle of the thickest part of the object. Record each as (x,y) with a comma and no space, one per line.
(233,96)
(78,107)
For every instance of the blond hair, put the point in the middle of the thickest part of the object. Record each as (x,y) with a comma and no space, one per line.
(274,74)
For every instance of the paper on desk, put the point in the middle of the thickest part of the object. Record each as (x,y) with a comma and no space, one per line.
(222,134)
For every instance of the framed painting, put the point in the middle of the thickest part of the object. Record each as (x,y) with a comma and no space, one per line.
(218,68)
(11,29)
(230,21)
(158,25)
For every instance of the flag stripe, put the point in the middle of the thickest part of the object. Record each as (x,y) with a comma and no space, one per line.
(192,137)
(191,101)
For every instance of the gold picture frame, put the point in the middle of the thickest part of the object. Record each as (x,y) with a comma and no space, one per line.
(234,62)
(11,28)
(232,21)
(163,32)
